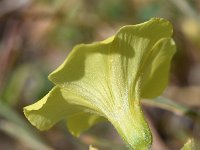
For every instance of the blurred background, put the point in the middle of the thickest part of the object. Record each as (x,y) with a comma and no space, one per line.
(37,35)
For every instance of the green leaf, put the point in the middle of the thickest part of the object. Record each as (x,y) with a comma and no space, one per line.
(109,79)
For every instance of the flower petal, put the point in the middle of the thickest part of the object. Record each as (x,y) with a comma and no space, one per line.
(108,79)
(53,107)
(156,70)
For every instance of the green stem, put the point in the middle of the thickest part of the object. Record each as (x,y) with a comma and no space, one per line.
(172,106)
(132,127)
